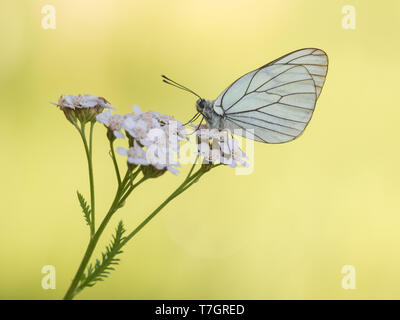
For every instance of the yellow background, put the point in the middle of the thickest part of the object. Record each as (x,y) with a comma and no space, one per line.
(328,199)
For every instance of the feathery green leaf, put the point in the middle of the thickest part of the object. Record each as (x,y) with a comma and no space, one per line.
(102,268)
(85,207)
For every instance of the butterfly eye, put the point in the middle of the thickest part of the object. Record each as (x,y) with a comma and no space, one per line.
(200,105)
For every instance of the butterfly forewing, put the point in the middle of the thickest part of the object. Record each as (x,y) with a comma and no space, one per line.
(274,103)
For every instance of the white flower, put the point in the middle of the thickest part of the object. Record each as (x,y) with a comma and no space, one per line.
(157,135)
(136,109)
(113,122)
(84,108)
(136,155)
(82,101)
(219,147)
(235,154)
(161,158)
(136,127)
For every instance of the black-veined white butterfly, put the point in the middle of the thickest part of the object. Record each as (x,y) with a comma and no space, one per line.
(271,104)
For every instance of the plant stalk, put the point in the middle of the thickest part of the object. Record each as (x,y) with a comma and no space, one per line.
(93,241)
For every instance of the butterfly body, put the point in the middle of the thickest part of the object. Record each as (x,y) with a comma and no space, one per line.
(274,103)
(213,119)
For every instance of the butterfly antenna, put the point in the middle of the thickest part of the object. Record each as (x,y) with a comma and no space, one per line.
(178,85)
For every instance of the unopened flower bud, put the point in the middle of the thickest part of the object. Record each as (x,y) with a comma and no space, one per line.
(152,172)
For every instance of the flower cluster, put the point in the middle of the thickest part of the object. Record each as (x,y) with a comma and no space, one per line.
(219,147)
(153,140)
(84,107)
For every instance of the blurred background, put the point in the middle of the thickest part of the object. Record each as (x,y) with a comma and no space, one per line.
(312,206)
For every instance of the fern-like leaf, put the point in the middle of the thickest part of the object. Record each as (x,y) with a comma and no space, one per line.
(102,268)
(85,207)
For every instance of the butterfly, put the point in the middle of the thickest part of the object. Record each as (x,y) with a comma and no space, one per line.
(272,104)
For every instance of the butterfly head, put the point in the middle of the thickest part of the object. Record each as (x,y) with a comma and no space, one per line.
(200,105)
(205,108)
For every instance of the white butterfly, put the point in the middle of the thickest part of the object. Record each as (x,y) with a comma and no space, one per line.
(271,104)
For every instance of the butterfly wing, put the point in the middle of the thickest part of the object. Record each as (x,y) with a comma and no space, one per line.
(274,103)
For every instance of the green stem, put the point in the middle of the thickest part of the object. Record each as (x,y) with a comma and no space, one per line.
(93,242)
(88,151)
(192,168)
(115,162)
(91,178)
(184,186)
(126,195)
